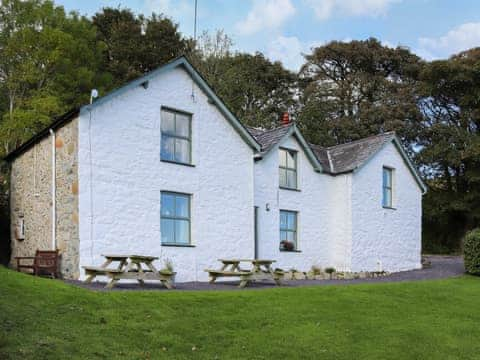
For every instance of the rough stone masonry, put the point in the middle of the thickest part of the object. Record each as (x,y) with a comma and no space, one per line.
(31,199)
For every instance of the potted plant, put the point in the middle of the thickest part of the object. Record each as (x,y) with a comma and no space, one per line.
(287,245)
(167,268)
(330,271)
(314,271)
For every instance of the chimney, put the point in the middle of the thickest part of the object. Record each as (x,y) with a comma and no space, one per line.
(285,118)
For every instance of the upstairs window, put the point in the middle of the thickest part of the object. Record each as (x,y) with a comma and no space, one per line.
(387,197)
(288,230)
(176,141)
(288,168)
(175,218)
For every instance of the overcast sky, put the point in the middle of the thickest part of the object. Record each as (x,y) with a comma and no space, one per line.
(284,29)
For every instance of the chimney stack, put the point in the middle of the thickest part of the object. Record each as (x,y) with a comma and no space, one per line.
(285,118)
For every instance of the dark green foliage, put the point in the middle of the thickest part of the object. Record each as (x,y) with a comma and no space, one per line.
(256,89)
(330,270)
(449,142)
(135,44)
(356,89)
(471,250)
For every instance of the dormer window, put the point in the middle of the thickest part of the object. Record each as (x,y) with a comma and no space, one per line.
(288,168)
(176,141)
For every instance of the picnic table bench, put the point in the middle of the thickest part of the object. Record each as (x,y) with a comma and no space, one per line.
(129,267)
(261,270)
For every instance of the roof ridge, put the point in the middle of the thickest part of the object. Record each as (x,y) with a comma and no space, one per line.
(278,127)
(360,140)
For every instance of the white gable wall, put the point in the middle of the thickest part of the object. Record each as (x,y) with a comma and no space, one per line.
(127,177)
(387,239)
(322,206)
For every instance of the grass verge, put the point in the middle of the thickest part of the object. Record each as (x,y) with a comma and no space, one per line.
(47,319)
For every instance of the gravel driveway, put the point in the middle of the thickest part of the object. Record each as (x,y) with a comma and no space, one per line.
(442,267)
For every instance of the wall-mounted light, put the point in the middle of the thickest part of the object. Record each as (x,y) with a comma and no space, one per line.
(267,207)
(20,228)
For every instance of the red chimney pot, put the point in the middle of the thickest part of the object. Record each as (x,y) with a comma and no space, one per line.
(285,118)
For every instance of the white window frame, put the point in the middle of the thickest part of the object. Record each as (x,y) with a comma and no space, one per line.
(391,187)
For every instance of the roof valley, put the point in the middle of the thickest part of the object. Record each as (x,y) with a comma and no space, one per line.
(330,162)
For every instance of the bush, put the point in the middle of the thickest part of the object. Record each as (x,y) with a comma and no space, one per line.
(330,270)
(471,249)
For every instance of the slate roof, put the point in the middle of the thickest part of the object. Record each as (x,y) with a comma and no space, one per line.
(269,138)
(350,156)
(322,156)
(334,160)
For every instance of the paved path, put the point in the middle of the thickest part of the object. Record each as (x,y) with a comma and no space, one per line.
(442,267)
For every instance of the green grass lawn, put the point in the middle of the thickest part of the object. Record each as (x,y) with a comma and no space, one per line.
(47,319)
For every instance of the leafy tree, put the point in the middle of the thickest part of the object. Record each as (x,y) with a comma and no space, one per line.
(450,148)
(48,64)
(356,89)
(137,44)
(256,89)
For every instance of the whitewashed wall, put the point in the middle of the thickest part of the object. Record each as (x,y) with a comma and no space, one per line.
(340,211)
(386,238)
(321,205)
(121,176)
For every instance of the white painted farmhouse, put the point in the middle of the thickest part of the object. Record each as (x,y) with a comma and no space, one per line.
(162,167)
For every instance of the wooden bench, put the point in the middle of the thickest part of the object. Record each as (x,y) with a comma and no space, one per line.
(231,268)
(94,271)
(130,270)
(44,262)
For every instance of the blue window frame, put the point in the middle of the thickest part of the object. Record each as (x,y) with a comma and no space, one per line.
(387,187)
(175,218)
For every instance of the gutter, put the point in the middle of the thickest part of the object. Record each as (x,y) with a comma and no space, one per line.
(54,190)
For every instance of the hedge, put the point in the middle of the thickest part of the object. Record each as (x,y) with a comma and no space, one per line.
(471,250)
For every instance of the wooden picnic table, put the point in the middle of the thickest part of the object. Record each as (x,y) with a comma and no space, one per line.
(133,267)
(261,270)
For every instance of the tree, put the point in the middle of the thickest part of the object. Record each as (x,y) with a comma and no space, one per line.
(137,44)
(256,89)
(356,89)
(48,64)
(449,143)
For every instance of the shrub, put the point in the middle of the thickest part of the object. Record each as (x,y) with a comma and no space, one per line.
(316,270)
(330,270)
(167,266)
(471,250)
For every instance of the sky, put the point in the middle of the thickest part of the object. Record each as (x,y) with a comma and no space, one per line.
(285,29)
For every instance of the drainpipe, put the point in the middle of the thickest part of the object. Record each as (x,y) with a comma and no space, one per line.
(54,190)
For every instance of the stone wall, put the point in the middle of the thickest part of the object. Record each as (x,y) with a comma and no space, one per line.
(31,199)
(67,198)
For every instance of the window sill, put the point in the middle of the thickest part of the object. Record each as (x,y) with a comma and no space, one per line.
(389,208)
(291,189)
(178,245)
(177,163)
(291,251)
